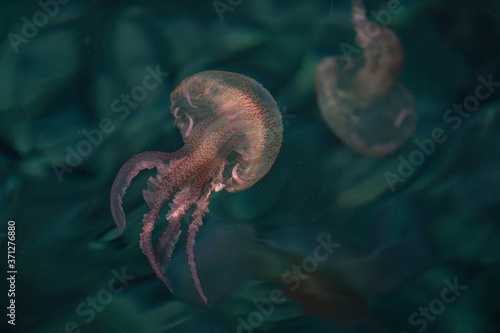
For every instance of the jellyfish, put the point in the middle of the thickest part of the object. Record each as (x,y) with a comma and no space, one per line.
(360,98)
(232,132)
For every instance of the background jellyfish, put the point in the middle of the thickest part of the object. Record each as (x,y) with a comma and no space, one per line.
(360,98)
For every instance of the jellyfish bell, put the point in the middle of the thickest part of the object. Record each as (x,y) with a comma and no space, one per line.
(248,110)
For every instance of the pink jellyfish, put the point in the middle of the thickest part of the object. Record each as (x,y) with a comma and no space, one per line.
(232,132)
(360,98)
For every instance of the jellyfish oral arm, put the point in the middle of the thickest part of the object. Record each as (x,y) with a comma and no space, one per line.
(190,171)
(137,163)
(382,52)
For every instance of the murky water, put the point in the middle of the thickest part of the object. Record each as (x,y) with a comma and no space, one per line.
(329,240)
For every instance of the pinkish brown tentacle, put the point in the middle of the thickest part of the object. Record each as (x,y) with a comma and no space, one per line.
(165,190)
(197,222)
(166,245)
(183,201)
(217,141)
(144,160)
(181,204)
(194,226)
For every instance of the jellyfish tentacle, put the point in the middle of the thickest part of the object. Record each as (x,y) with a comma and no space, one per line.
(217,141)
(145,160)
(181,204)
(194,193)
(166,244)
(166,189)
(195,224)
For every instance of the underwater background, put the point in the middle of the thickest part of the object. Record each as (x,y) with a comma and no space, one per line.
(328,241)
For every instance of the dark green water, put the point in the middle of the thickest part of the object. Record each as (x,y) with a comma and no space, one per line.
(328,241)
